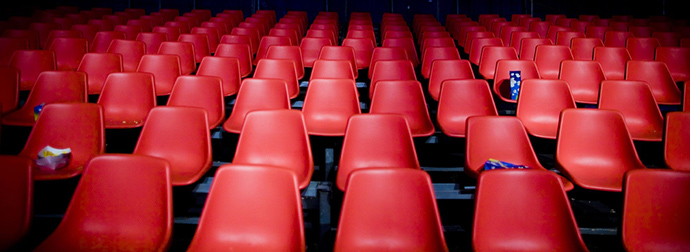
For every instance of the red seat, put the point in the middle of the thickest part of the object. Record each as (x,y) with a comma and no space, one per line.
(540,27)
(584,78)
(328,105)
(667,39)
(290,33)
(184,144)
(311,48)
(69,52)
(516,38)
(436,53)
(404,97)
(99,217)
(98,66)
(253,34)
(363,50)
(549,58)
(30,64)
(289,53)
(85,137)
(675,139)
(677,60)
(460,99)
(126,99)
(61,34)
(131,51)
(565,37)
(641,31)
(279,69)
(386,53)
(506,33)
(477,45)
(595,31)
(172,32)
(9,89)
(594,149)
(165,70)
(616,38)
(152,40)
(612,60)
(185,52)
(583,48)
(213,36)
(528,70)
(550,226)
(104,24)
(391,70)
(659,78)
(205,92)
(471,36)
(443,70)
(226,68)
(145,24)
(51,87)
(332,69)
(405,43)
(340,53)
(131,31)
(183,24)
(642,48)
(256,94)
(8,46)
(16,185)
(260,132)
(406,195)
(266,42)
(240,51)
(491,55)
(222,27)
(528,47)
(43,31)
(635,101)
(102,40)
(279,226)
(463,31)
(31,37)
(661,192)
(540,104)
(200,42)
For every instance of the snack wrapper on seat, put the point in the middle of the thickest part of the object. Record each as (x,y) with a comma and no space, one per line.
(493,164)
(50,158)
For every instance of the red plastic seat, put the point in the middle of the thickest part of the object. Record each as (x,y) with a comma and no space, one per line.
(506,33)
(584,78)
(226,68)
(257,187)
(61,34)
(461,99)
(8,46)
(260,132)
(550,226)
(471,36)
(311,48)
(665,228)
(619,25)
(213,36)
(616,38)
(253,34)
(51,87)
(102,40)
(406,195)
(516,38)
(241,52)
(328,105)
(436,53)
(85,137)
(595,31)
(16,183)
(332,69)
(279,69)
(565,37)
(131,31)
(612,60)
(268,41)
(405,43)
(222,27)
(152,40)
(477,45)
(528,47)
(549,58)
(677,60)
(659,78)
(68,52)
(540,104)
(31,36)
(404,97)
(675,138)
(205,92)
(340,53)
(642,48)
(200,42)
(386,53)
(119,222)
(30,64)
(289,53)
(635,101)
(172,32)
(594,149)
(98,66)
(540,27)
(131,51)
(43,31)
(185,52)
(641,31)
(667,39)
(583,48)
(145,24)
(443,70)
(104,24)
(363,49)
(464,30)
(165,70)
(491,55)
(528,70)
(185,144)
(391,70)
(9,89)
(256,94)
(296,27)
(126,99)
(184,26)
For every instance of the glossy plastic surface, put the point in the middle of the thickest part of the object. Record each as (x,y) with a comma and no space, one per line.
(200,42)
(256,94)
(675,141)
(477,45)
(152,40)
(311,48)
(540,104)
(404,97)
(443,70)
(328,105)
(461,99)
(293,53)
(528,47)
(165,69)
(240,51)
(332,69)
(659,78)
(266,42)
(131,51)
(226,68)
(613,61)
(548,59)
(635,101)
(363,49)
(491,55)
(677,60)
(126,99)
(407,44)
(98,66)
(279,69)
(30,64)
(583,48)
(642,48)
(584,78)
(340,53)
(204,92)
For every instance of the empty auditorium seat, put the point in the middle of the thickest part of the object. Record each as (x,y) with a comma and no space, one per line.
(289,53)
(583,48)
(594,149)
(550,225)
(616,38)
(328,105)
(540,104)
(528,47)
(131,51)
(363,50)
(256,94)
(436,53)
(404,97)
(16,185)
(8,46)
(30,64)
(241,52)
(613,61)
(548,59)
(98,66)
(584,78)
(279,69)
(227,68)
(200,42)
(213,36)
(642,48)
(102,40)
(165,69)
(443,70)
(675,138)
(461,99)
(130,31)
(118,221)
(172,32)
(659,78)
(491,55)
(205,92)
(635,101)
(391,70)
(152,40)
(677,60)
(126,99)
(401,212)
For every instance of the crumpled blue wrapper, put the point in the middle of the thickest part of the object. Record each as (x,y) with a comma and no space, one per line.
(493,164)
